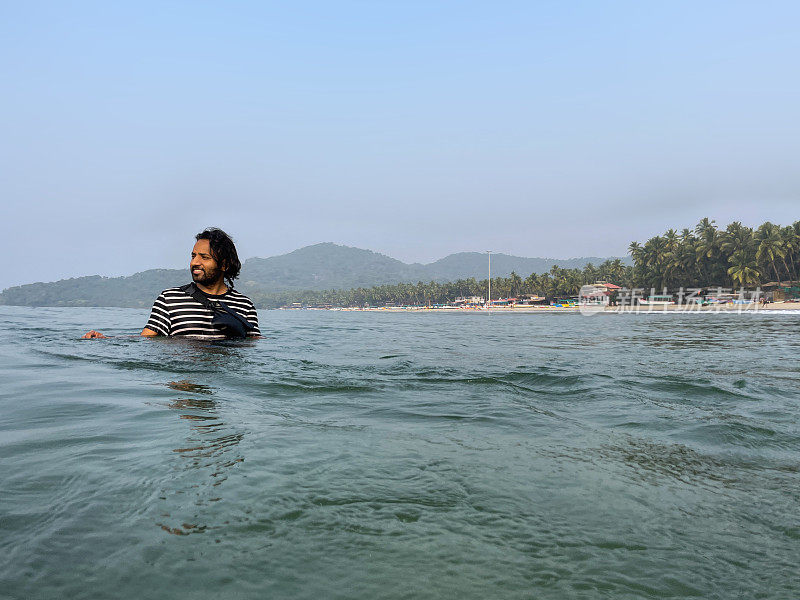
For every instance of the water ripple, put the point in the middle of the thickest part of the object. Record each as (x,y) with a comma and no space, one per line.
(366,455)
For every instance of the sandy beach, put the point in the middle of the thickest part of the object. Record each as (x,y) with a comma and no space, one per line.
(730,308)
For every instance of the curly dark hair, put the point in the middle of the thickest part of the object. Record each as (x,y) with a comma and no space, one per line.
(224,252)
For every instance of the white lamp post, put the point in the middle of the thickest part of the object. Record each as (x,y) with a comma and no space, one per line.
(489,303)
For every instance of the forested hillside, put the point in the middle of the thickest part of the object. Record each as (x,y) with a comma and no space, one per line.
(315,268)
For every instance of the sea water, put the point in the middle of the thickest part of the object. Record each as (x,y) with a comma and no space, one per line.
(385,455)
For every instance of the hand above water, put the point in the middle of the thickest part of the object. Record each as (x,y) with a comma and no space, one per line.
(92,335)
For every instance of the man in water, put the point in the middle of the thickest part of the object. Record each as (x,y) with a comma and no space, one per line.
(189,310)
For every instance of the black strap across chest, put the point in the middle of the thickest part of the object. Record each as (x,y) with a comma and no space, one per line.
(226,318)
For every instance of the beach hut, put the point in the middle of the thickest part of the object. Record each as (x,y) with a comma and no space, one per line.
(783,291)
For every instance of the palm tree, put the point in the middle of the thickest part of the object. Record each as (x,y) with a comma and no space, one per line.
(656,261)
(546,285)
(515,284)
(531,284)
(635,250)
(671,240)
(743,269)
(796,229)
(671,264)
(574,281)
(736,237)
(686,259)
(705,226)
(590,273)
(770,245)
(706,247)
(616,271)
(561,281)
(791,244)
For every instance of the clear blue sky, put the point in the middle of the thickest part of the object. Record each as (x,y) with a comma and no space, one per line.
(415,129)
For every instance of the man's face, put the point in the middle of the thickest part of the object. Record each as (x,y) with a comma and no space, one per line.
(203,266)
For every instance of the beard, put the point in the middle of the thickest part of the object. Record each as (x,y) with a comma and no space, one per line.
(206,277)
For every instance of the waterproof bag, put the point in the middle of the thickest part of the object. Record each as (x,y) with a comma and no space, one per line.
(230,322)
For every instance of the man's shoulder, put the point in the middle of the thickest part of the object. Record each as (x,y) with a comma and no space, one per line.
(234,294)
(173,291)
(173,294)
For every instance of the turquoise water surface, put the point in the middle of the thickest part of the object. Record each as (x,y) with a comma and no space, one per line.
(383,455)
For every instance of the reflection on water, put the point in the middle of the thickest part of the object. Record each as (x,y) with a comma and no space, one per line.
(186,354)
(185,385)
(209,446)
(651,461)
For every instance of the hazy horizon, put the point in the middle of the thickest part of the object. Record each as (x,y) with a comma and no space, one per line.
(415,129)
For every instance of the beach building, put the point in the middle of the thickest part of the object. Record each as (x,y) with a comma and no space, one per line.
(609,287)
(598,293)
(468,301)
(781,292)
(592,294)
(531,300)
(503,301)
(522,300)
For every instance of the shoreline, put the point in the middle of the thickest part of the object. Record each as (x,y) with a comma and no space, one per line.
(718,308)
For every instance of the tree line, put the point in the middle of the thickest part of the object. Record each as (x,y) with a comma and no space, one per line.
(737,256)
(704,256)
(557,283)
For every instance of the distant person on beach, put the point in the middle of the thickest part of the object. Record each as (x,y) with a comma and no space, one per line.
(208,307)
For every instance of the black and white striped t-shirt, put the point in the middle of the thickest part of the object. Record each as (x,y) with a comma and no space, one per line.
(177,313)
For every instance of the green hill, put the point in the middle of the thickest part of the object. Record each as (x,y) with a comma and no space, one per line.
(326,266)
(318,267)
(135,291)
